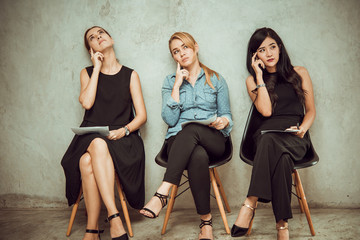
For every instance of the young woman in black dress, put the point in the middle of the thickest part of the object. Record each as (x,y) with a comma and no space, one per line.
(109,94)
(280,93)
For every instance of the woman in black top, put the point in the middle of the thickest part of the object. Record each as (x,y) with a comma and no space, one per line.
(109,93)
(280,93)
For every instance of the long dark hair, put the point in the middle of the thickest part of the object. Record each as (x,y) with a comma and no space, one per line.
(284,68)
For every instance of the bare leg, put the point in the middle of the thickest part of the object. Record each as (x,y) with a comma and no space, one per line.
(246,213)
(104,173)
(155,204)
(283,231)
(206,230)
(91,196)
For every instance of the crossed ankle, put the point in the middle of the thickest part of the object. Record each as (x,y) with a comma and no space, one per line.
(282,225)
(250,203)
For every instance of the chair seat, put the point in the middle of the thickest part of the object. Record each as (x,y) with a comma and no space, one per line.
(306,162)
(162,158)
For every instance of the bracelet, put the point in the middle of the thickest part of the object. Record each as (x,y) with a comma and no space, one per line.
(260,85)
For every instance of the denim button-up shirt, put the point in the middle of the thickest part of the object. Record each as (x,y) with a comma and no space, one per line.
(200,102)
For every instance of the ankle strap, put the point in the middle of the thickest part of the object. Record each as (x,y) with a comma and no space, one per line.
(283,228)
(248,206)
(111,217)
(205,222)
(162,197)
(94,231)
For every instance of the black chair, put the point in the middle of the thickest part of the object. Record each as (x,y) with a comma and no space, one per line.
(247,155)
(161,159)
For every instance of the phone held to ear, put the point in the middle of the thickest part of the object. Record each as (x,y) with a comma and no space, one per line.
(261,67)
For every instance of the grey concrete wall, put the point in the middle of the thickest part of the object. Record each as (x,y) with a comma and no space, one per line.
(42,54)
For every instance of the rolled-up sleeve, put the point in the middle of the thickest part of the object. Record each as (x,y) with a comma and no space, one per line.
(170,108)
(223,104)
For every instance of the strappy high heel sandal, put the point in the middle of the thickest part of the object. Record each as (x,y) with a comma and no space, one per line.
(94,231)
(203,223)
(163,199)
(122,237)
(286,227)
(239,231)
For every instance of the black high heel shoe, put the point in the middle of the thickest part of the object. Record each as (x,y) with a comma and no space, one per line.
(239,231)
(163,200)
(122,237)
(203,223)
(94,231)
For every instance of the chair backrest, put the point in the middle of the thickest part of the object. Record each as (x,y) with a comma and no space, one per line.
(247,151)
(162,157)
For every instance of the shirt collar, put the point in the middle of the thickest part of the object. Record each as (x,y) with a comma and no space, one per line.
(201,74)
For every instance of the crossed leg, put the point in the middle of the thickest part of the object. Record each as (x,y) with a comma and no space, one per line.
(98,175)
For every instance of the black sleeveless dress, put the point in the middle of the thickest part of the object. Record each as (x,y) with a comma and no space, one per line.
(276,152)
(113,107)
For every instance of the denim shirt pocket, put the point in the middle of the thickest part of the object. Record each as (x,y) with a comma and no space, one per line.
(210,95)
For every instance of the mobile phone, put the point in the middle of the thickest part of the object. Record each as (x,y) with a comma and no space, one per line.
(261,67)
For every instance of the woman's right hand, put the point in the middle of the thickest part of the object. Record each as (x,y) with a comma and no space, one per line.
(96,58)
(255,63)
(181,74)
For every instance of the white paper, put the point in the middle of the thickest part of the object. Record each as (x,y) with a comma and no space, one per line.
(85,130)
(288,130)
(204,122)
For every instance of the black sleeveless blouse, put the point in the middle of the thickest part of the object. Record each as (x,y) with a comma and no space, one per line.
(288,110)
(288,102)
(113,105)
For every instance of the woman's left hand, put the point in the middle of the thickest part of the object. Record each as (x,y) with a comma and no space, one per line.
(220,123)
(116,134)
(299,133)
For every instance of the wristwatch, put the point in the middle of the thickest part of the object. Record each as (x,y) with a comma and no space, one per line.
(127,131)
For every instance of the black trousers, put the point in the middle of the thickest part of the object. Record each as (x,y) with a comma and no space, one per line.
(273,164)
(192,149)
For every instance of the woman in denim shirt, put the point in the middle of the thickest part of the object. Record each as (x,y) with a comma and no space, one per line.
(194,92)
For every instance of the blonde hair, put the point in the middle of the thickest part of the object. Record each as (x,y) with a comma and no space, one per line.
(190,42)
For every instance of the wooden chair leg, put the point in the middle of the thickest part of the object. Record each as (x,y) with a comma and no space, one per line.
(123,205)
(222,192)
(73,213)
(218,200)
(296,185)
(304,202)
(251,223)
(170,207)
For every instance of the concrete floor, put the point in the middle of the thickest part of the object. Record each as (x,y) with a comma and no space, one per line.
(51,224)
